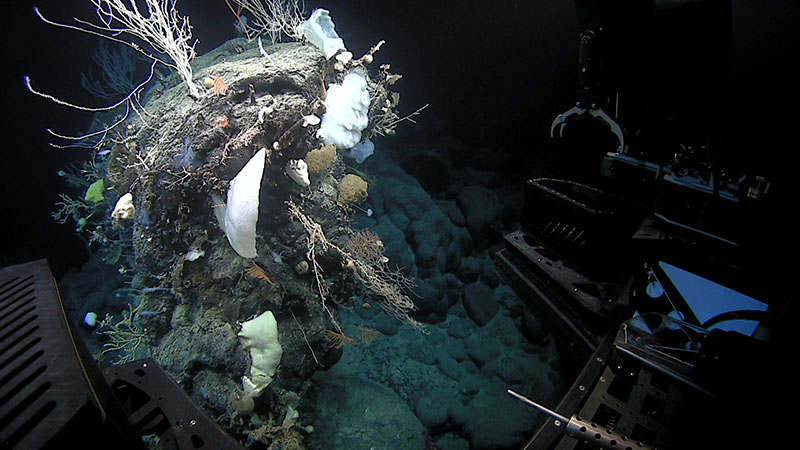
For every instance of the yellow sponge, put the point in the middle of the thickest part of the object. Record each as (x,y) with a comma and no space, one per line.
(351,189)
(319,159)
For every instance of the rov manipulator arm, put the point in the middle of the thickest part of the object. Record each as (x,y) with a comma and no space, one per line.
(582,430)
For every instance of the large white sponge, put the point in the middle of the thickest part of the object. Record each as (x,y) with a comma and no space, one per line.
(346,109)
(241,212)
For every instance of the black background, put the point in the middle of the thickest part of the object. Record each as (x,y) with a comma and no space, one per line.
(495,73)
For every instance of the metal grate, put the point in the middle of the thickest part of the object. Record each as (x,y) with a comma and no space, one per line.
(576,222)
(24,388)
(49,392)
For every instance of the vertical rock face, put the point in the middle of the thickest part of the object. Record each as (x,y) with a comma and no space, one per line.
(196,288)
(208,240)
(209,193)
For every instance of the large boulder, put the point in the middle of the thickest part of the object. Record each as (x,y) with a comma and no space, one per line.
(480,302)
(494,420)
(358,414)
(482,209)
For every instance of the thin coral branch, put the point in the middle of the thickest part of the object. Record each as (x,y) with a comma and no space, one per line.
(131,102)
(56,100)
(125,336)
(305,338)
(315,236)
(69,208)
(117,67)
(366,335)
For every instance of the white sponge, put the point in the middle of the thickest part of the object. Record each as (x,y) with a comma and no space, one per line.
(241,212)
(260,337)
(320,31)
(347,106)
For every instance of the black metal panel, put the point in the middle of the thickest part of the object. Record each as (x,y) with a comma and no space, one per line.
(155,404)
(51,391)
(582,224)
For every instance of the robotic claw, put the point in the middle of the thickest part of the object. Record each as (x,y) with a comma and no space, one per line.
(603,256)
(588,101)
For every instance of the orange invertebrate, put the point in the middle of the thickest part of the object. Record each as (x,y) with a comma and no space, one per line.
(222,121)
(338,340)
(255,271)
(220,88)
(367,335)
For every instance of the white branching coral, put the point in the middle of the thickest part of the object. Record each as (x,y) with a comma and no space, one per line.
(275,18)
(160,27)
